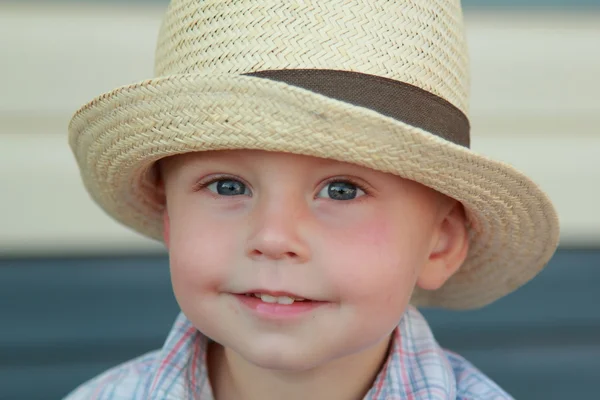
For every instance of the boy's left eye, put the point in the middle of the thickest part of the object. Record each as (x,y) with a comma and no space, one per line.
(341,190)
(228,187)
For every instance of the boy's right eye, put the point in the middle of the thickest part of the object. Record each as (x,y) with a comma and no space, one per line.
(228,187)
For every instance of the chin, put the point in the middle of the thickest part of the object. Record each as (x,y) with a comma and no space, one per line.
(280,358)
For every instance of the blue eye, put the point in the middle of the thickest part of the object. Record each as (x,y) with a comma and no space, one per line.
(341,190)
(228,187)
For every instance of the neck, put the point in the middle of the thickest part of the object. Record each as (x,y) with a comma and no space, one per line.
(350,377)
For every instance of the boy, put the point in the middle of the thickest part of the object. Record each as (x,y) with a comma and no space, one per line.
(307,165)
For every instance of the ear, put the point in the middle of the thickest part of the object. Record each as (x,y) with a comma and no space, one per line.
(449,248)
(166,227)
(161,194)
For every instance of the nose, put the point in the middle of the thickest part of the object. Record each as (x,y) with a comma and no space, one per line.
(277,231)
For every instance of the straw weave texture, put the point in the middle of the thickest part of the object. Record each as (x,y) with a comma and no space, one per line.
(199,101)
(417,42)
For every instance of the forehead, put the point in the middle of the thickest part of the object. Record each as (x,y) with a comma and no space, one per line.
(249,157)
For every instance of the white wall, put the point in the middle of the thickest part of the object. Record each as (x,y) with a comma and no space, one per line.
(535,104)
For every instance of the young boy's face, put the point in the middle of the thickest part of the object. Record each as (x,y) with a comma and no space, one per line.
(351,241)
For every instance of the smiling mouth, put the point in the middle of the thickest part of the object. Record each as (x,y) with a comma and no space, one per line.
(267,298)
(279,306)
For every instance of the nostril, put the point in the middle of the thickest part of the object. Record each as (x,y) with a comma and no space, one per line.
(273,255)
(256,253)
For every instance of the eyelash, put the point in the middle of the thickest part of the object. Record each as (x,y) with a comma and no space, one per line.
(347,179)
(203,184)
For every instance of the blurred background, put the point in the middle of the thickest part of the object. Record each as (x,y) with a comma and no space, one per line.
(79,293)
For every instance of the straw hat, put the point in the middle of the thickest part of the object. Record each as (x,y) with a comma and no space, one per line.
(379,83)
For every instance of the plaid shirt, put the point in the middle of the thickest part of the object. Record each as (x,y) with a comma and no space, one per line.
(417,368)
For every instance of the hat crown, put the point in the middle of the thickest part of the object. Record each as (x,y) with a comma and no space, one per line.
(419,42)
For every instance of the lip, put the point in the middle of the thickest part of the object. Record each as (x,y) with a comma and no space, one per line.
(276,311)
(276,293)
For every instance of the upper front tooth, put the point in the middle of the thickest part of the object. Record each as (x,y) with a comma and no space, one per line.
(272,299)
(285,300)
(268,299)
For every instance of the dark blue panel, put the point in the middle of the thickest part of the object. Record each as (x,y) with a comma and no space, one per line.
(66,320)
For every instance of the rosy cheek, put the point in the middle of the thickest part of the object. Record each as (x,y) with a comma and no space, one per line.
(372,262)
(200,253)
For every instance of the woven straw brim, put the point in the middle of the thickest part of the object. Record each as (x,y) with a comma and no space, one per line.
(119,136)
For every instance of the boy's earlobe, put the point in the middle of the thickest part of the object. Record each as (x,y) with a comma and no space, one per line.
(449,250)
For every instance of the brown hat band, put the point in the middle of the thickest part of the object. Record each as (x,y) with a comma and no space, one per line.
(399,100)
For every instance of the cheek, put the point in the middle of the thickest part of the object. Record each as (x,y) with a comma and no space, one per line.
(374,264)
(200,252)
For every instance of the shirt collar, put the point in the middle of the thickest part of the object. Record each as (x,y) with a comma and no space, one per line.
(416,367)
